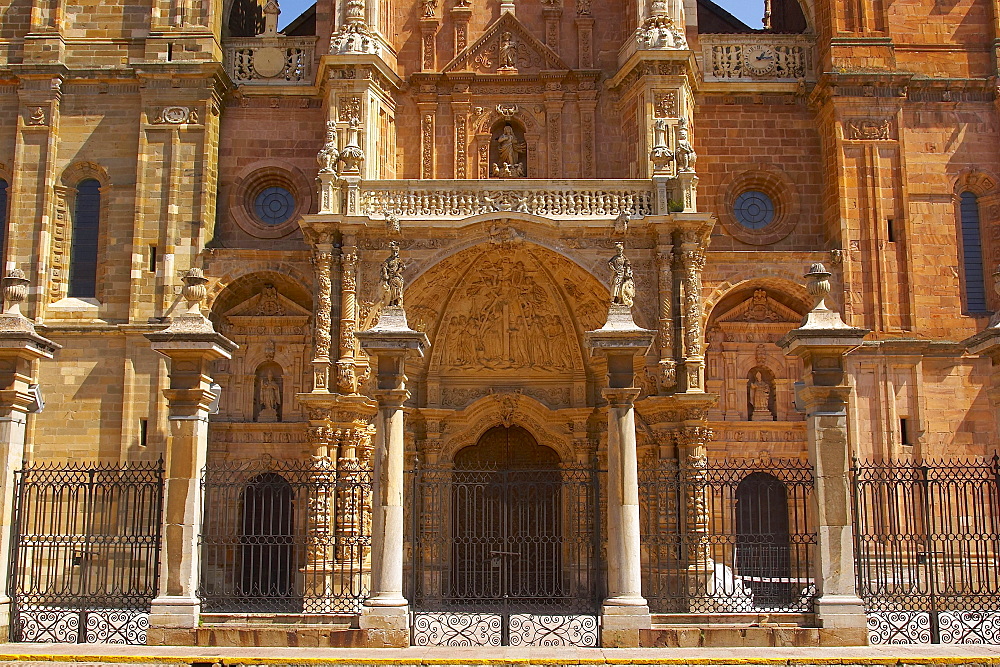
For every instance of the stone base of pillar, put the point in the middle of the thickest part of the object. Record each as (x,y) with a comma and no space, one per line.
(174,612)
(387,627)
(5,609)
(621,625)
(842,613)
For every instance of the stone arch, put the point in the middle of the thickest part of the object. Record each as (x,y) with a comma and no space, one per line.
(469,425)
(281,271)
(81,171)
(508,228)
(768,277)
(523,116)
(976,181)
(516,295)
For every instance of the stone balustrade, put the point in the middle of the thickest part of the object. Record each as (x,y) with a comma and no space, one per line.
(758,57)
(270,60)
(423,199)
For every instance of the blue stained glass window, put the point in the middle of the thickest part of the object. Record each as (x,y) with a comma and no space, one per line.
(972,255)
(754,209)
(274,205)
(83,247)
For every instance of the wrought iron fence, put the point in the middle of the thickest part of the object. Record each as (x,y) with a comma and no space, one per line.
(729,536)
(505,557)
(85,553)
(927,545)
(286,537)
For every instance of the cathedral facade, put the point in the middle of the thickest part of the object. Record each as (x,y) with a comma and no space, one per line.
(348,279)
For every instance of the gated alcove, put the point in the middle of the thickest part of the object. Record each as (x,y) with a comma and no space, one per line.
(267,539)
(762,539)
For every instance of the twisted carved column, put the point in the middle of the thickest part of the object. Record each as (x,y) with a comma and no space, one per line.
(668,365)
(322,261)
(693,262)
(322,440)
(346,382)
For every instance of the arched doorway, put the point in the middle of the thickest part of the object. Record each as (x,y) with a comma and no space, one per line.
(505,547)
(267,540)
(763,558)
(507,528)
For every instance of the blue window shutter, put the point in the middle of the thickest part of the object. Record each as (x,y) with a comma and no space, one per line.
(83,250)
(972,255)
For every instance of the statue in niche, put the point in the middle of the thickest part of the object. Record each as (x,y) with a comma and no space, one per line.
(684,154)
(760,402)
(507,56)
(622,280)
(392,277)
(510,153)
(268,395)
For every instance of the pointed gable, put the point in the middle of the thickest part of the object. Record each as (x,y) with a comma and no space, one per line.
(483,55)
(760,307)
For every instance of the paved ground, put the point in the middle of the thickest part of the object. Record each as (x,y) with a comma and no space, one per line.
(902,655)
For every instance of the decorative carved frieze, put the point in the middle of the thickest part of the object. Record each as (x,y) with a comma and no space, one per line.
(869,129)
(174,115)
(764,57)
(270,60)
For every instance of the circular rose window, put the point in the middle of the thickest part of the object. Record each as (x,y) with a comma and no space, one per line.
(274,205)
(753,209)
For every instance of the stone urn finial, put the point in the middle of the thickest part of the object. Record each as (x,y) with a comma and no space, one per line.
(15,291)
(818,284)
(194,291)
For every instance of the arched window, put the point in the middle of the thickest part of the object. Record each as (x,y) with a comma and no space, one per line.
(972,254)
(267,543)
(83,249)
(3,219)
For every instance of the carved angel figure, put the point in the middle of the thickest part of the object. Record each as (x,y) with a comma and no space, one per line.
(622,281)
(392,277)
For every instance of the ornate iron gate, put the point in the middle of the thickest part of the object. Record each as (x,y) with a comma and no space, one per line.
(746,520)
(927,544)
(290,537)
(505,556)
(85,555)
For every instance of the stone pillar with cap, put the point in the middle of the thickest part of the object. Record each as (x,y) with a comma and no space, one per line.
(822,341)
(20,348)
(385,615)
(192,344)
(625,611)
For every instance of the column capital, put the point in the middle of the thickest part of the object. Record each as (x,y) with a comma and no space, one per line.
(391,398)
(621,397)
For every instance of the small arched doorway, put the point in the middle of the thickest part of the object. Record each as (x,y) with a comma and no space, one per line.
(267,537)
(763,558)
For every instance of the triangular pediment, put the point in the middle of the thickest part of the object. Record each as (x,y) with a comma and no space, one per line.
(760,307)
(483,55)
(269,302)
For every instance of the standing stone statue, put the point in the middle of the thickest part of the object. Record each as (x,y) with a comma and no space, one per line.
(509,152)
(508,52)
(684,153)
(622,281)
(270,399)
(760,398)
(392,277)
(329,155)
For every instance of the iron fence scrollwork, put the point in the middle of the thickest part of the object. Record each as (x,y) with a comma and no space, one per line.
(85,551)
(927,544)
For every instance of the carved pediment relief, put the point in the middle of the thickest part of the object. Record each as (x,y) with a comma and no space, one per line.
(761,308)
(268,303)
(506,46)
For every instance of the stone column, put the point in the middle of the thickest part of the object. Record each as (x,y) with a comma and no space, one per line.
(192,344)
(692,452)
(20,346)
(322,260)
(348,317)
(693,262)
(625,611)
(822,341)
(667,378)
(385,615)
